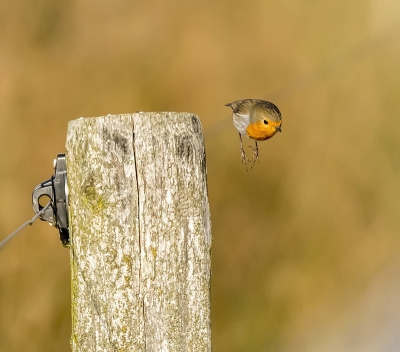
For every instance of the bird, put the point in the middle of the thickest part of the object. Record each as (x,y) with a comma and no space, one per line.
(256,119)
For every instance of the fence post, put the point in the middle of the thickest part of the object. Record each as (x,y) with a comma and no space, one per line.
(140,233)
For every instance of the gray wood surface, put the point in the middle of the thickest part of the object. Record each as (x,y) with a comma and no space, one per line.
(140,233)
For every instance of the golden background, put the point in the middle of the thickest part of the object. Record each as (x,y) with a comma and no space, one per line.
(306,245)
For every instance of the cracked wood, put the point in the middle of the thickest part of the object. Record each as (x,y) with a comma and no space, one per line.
(140,233)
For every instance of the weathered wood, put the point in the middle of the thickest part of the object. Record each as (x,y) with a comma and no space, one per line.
(140,233)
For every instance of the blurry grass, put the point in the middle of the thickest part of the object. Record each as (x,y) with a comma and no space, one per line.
(298,239)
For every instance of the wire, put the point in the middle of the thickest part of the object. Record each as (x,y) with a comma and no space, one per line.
(29,222)
(355,53)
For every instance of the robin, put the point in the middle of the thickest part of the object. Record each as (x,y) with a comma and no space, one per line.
(255,119)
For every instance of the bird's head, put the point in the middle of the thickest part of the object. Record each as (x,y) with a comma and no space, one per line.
(265,121)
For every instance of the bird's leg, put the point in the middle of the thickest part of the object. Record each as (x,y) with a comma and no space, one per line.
(255,155)
(243,154)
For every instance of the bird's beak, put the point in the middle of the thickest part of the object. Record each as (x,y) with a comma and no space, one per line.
(278,128)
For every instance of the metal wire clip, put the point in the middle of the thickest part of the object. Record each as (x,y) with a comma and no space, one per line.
(56,189)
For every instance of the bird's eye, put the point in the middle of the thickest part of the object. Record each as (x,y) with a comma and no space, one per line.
(265,122)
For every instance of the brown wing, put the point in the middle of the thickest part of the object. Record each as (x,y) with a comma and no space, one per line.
(243,107)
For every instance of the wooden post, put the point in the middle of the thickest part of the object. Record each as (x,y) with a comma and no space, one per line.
(140,233)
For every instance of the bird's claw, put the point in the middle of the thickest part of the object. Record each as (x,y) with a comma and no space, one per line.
(254,158)
(249,163)
(245,160)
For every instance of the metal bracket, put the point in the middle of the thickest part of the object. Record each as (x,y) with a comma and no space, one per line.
(56,189)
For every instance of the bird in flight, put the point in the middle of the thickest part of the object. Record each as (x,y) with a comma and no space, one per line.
(255,119)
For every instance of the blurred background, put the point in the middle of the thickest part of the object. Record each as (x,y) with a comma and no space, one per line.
(305,245)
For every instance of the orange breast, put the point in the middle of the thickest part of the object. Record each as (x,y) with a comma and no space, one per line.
(259,131)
